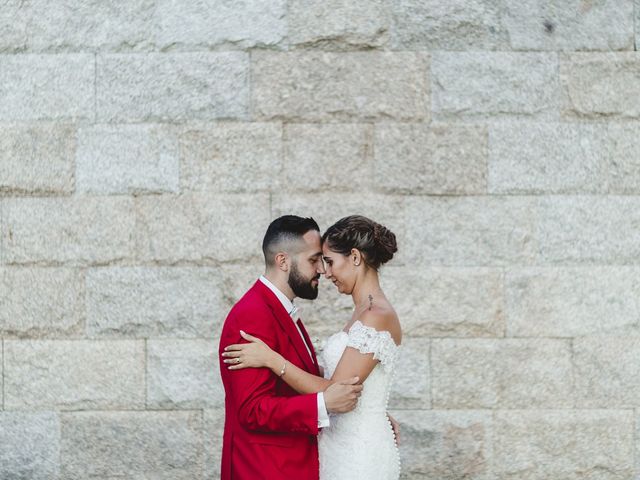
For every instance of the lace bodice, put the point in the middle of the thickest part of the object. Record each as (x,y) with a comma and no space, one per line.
(360,444)
(366,340)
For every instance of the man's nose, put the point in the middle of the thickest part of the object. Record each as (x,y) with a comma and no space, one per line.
(321,268)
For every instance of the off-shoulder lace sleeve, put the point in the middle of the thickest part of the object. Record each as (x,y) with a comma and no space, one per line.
(369,340)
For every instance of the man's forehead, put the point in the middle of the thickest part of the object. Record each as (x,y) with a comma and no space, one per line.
(313,240)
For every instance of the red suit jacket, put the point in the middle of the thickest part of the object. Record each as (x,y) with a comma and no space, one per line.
(270,430)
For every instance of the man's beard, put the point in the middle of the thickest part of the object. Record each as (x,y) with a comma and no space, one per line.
(302,286)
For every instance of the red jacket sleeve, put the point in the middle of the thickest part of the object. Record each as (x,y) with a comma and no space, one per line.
(254,389)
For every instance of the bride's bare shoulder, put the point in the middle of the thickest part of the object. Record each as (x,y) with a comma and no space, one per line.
(383,318)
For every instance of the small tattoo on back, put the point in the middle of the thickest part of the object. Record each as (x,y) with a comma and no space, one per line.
(370,301)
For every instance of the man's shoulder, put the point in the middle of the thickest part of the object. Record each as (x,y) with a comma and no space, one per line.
(249,298)
(253,314)
(251,303)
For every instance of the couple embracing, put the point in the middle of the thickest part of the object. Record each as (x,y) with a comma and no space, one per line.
(288,414)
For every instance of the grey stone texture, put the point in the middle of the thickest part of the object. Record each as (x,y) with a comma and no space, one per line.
(445,444)
(452,25)
(75,231)
(213,428)
(328,157)
(139,25)
(162,445)
(339,23)
(411,388)
(127,159)
(231,157)
(28,92)
(169,86)
(547,158)
(557,25)
(624,159)
(473,231)
(214,23)
(146,145)
(444,159)
(30,445)
(523,230)
(589,229)
(447,302)
(571,444)
(571,302)
(569,25)
(183,374)
(328,86)
(37,159)
(73,374)
(502,373)
(204,228)
(153,302)
(480,85)
(42,26)
(606,371)
(600,85)
(41,302)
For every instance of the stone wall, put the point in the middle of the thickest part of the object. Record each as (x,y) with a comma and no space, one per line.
(145,145)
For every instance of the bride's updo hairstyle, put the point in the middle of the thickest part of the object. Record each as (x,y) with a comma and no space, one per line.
(376,242)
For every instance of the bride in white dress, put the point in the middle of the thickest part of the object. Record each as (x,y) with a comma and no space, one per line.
(360,444)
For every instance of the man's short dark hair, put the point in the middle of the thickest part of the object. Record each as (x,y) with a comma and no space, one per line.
(288,228)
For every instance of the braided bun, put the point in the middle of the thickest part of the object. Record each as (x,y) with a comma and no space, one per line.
(375,241)
(385,241)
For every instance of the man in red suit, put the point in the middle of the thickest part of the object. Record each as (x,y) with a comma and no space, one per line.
(270,430)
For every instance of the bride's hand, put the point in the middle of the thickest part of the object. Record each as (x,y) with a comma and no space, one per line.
(255,354)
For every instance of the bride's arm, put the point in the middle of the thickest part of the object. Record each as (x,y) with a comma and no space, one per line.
(353,362)
(257,354)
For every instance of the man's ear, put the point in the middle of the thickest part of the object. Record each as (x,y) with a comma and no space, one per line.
(282,261)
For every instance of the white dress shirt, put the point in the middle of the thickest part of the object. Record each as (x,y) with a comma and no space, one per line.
(323,415)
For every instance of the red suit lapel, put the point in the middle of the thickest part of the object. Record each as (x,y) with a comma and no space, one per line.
(287,324)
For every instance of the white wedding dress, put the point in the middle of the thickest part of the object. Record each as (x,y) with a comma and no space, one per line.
(360,445)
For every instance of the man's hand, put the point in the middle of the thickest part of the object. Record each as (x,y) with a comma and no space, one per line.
(342,397)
